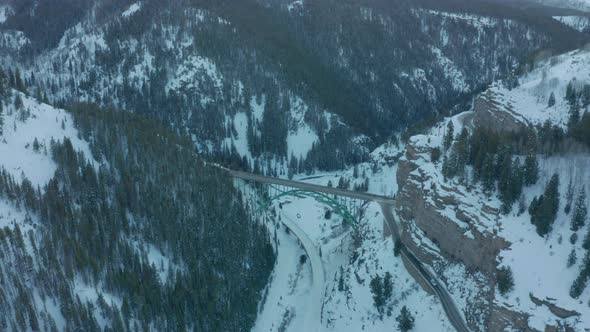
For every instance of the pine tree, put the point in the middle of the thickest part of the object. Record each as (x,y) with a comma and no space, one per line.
(585,96)
(405,320)
(586,242)
(505,280)
(574,116)
(544,210)
(1,118)
(578,286)
(18,101)
(551,101)
(341,280)
(449,136)
(571,259)
(487,175)
(580,212)
(570,93)
(569,196)
(387,286)
(18,82)
(531,170)
(376,286)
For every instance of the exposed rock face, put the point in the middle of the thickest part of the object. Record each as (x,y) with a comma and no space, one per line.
(556,310)
(428,207)
(434,213)
(490,114)
(503,319)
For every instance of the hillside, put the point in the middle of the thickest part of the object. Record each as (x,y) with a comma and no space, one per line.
(479,206)
(247,90)
(84,248)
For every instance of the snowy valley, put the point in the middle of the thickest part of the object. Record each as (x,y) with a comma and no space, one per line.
(285,166)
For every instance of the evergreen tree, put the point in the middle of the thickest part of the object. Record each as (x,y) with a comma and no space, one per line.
(18,82)
(586,242)
(551,101)
(434,155)
(578,285)
(376,286)
(505,280)
(571,259)
(387,286)
(570,93)
(569,196)
(405,320)
(585,99)
(449,136)
(581,281)
(531,170)
(341,280)
(543,211)
(1,118)
(18,102)
(574,114)
(580,211)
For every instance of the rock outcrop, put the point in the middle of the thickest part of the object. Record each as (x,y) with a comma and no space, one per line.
(443,220)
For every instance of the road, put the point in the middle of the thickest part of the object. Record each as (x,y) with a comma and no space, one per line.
(445,298)
(314,309)
(386,204)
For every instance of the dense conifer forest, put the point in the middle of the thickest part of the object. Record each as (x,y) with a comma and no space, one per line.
(143,187)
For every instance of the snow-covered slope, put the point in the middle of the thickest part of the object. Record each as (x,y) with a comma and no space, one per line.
(488,238)
(34,121)
(25,153)
(583,5)
(580,23)
(529,101)
(5,12)
(347,302)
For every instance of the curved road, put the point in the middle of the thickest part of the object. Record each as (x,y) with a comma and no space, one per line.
(386,204)
(445,298)
(314,310)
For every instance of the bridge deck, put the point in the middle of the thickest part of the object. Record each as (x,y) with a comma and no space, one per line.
(311,187)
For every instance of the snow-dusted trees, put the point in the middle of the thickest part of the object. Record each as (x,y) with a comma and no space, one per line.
(382,291)
(449,136)
(376,286)
(580,211)
(551,101)
(405,320)
(531,170)
(543,210)
(504,280)
(572,258)
(581,281)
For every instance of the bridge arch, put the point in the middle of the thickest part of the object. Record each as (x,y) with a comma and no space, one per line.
(334,204)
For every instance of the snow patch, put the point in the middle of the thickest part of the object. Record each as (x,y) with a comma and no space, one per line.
(579,23)
(44,123)
(134,8)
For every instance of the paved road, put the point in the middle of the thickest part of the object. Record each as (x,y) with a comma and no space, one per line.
(314,309)
(445,298)
(386,203)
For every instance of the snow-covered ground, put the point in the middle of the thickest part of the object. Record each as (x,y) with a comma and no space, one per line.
(287,301)
(579,23)
(21,159)
(21,127)
(134,8)
(583,5)
(529,101)
(538,264)
(5,12)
